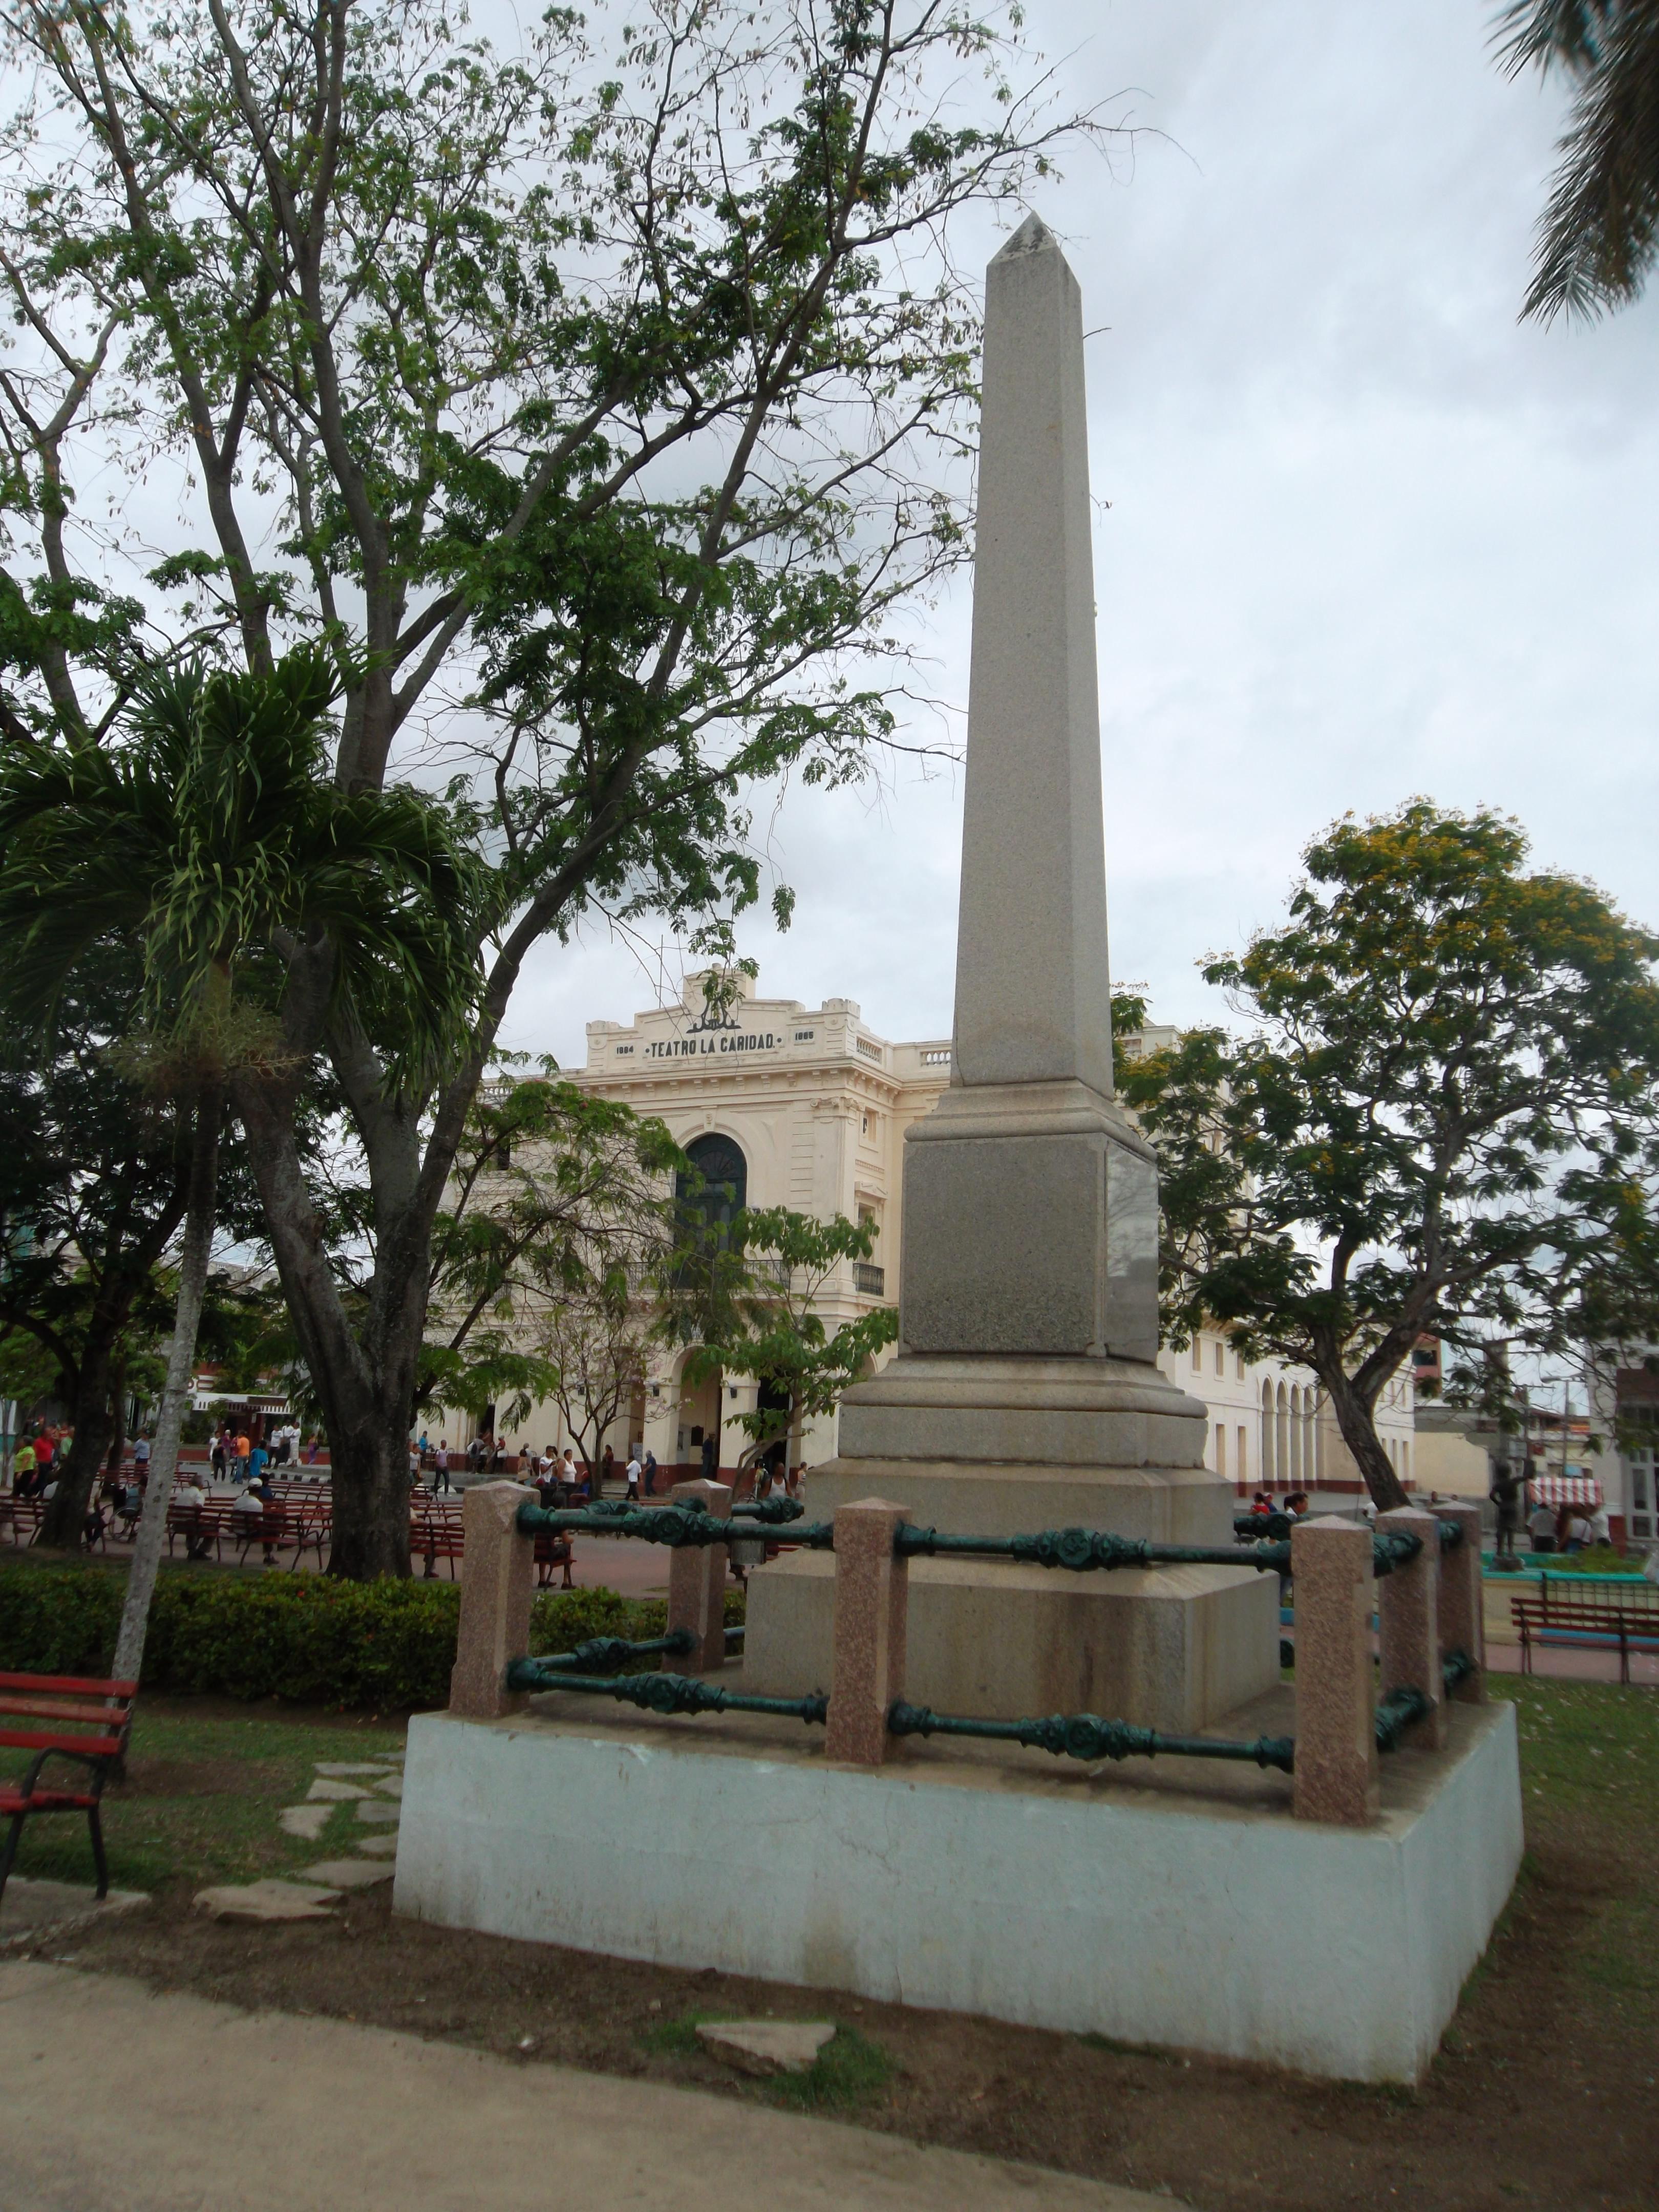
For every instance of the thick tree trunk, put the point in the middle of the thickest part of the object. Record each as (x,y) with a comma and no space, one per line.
(363,1373)
(1353,1419)
(118,1425)
(371,1502)
(176,1395)
(63,1521)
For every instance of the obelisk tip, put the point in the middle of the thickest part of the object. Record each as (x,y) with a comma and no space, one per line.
(1033,236)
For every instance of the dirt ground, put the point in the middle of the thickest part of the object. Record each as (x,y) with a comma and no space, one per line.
(1544,2093)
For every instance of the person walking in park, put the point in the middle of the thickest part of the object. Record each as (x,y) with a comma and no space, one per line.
(632,1493)
(650,1469)
(441,1466)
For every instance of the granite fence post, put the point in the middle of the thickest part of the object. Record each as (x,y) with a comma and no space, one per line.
(1463,1601)
(1409,1618)
(496,1596)
(696,1582)
(1336,1773)
(871,1597)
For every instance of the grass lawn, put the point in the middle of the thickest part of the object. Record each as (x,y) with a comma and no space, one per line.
(205,1781)
(1546,2091)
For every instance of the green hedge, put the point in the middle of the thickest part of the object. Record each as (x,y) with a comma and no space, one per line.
(381,1647)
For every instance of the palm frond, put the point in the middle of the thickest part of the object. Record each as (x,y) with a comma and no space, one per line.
(1598,233)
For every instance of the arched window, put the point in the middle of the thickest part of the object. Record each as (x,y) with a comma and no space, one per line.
(719,1188)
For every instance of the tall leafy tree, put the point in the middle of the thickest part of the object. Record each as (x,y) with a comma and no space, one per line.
(93,1176)
(558,1223)
(605,407)
(1443,1117)
(751,1299)
(212,837)
(1599,229)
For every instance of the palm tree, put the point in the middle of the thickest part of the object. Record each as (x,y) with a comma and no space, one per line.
(1600,231)
(211,834)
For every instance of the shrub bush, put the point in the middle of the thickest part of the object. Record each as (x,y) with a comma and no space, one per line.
(382,1647)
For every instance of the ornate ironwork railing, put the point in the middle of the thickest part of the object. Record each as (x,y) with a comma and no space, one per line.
(1081,1736)
(773,1511)
(1079,1551)
(604,1655)
(673,1525)
(1396,1714)
(1082,1550)
(1247,1525)
(1457,1666)
(870,1282)
(664,1693)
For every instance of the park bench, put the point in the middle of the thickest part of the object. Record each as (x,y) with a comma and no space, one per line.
(197,1526)
(553,1551)
(1595,1619)
(435,1534)
(89,1724)
(25,1515)
(271,1529)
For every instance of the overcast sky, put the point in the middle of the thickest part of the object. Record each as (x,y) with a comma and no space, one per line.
(1368,536)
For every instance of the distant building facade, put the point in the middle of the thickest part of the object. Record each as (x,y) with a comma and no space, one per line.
(807,1108)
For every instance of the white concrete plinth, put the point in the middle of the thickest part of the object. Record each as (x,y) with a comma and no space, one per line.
(1198,1915)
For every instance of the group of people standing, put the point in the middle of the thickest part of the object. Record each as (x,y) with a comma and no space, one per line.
(1573,1528)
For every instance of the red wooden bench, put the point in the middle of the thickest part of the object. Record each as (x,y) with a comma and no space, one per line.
(437,1535)
(90,1721)
(552,1551)
(269,1529)
(1591,1620)
(25,1516)
(199,1525)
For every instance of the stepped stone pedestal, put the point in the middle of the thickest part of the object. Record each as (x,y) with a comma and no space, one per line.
(1025,1394)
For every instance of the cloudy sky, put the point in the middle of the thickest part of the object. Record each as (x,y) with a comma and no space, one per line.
(1368,536)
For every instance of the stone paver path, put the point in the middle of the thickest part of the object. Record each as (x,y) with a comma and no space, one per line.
(363,1788)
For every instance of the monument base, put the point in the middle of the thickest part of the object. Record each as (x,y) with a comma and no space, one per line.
(1169,1649)
(1004,1447)
(1195,1913)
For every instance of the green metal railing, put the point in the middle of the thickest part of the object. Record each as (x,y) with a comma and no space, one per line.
(1081,1736)
(601,1655)
(1081,1550)
(1280,1525)
(677,1526)
(1402,1707)
(773,1511)
(662,1693)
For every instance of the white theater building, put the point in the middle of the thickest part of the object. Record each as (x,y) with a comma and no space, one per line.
(807,1108)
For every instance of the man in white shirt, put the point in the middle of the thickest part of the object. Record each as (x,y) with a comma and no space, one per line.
(189,1496)
(633,1490)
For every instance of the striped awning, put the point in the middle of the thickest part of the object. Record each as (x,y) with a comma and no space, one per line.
(1566,1490)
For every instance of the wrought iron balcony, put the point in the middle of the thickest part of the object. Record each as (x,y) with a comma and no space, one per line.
(869,1282)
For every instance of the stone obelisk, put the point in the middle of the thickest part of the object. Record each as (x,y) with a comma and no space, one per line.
(1025,1394)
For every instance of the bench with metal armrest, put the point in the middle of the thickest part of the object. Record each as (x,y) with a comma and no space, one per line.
(87,1725)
